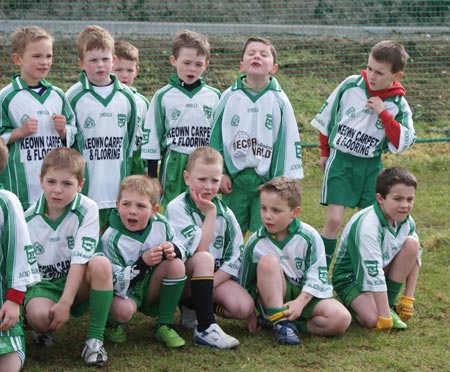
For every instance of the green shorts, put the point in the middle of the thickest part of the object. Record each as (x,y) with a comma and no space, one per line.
(244,199)
(53,290)
(139,294)
(171,175)
(13,344)
(104,215)
(136,164)
(349,180)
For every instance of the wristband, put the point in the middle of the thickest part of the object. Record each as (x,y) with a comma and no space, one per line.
(15,296)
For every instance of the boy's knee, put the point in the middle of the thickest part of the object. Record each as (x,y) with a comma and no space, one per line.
(268,263)
(122,313)
(100,267)
(411,246)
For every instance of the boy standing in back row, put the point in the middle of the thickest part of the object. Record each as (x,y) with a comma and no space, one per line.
(365,116)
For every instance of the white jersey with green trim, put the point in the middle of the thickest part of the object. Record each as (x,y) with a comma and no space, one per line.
(142,106)
(227,241)
(355,129)
(18,267)
(178,120)
(301,256)
(124,247)
(258,131)
(368,244)
(18,103)
(106,136)
(71,239)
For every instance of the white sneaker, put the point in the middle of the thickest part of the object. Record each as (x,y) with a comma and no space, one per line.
(188,318)
(44,339)
(214,336)
(94,354)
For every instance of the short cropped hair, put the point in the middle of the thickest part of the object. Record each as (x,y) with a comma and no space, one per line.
(64,158)
(389,177)
(287,188)
(3,155)
(391,52)
(144,185)
(204,154)
(23,36)
(94,37)
(258,39)
(125,50)
(190,39)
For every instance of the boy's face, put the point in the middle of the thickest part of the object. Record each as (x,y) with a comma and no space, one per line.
(380,75)
(276,214)
(97,64)
(135,210)
(190,66)
(398,202)
(125,70)
(204,179)
(60,187)
(36,61)
(258,60)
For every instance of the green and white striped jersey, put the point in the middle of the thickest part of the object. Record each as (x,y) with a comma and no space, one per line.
(355,129)
(107,129)
(71,239)
(258,131)
(18,267)
(301,256)
(18,103)
(227,242)
(368,244)
(142,105)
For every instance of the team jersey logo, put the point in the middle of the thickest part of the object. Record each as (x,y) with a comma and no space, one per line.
(89,123)
(372,267)
(298,150)
(37,248)
(31,253)
(175,114)
(23,118)
(88,244)
(269,122)
(218,243)
(379,125)
(241,144)
(145,136)
(70,242)
(207,110)
(235,120)
(121,120)
(188,231)
(351,113)
(298,263)
(323,275)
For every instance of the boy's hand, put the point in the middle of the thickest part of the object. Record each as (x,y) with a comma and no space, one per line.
(29,127)
(323,160)
(405,308)
(375,104)
(59,122)
(59,314)
(226,186)
(153,256)
(252,323)
(9,315)
(294,310)
(168,250)
(206,206)
(383,324)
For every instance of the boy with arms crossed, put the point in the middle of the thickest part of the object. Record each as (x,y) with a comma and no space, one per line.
(36,116)
(126,68)
(284,269)
(379,251)
(64,231)
(18,269)
(256,132)
(106,119)
(365,116)
(211,234)
(180,115)
(148,270)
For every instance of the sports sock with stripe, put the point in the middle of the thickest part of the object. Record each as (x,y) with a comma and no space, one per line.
(169,295)
(202,299)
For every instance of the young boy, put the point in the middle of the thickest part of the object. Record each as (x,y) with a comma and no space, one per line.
(36,116)
(180,115)
(18,269)
(64,231)
(211,234)
(379,251)
(256,131)
(126,68)
(106,118)
(148,270)
(365,116)
(284,269)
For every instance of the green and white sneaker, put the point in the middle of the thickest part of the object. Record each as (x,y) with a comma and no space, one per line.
(397,323)
(115,334)
(169,337)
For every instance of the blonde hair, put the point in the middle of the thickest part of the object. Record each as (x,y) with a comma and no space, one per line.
(190,39)
(23,36)
(144,185)
(287,188)
(3,155)
(125,50)
(64,158)
(94,37)
(207,155)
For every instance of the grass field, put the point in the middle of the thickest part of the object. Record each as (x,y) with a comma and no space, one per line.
(423,347)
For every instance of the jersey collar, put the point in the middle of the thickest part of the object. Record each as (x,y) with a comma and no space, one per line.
(385,223)
(220,210)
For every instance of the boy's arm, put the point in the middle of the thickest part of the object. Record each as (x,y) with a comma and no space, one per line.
(208,209)
(295,307)
(391,126)
(29,127)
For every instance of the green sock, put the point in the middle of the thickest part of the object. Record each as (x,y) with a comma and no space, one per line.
(393,289)
(330,247)
(275,314)
(169,295)
(100,304)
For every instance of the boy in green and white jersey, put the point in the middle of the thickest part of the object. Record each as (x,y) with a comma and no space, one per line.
(284,269)
(64,231)
(256,132)
(18,270)
(126,68)
(378,252)
(365,116)
(106,119)
(180,115)
(147,262)
(36,116)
